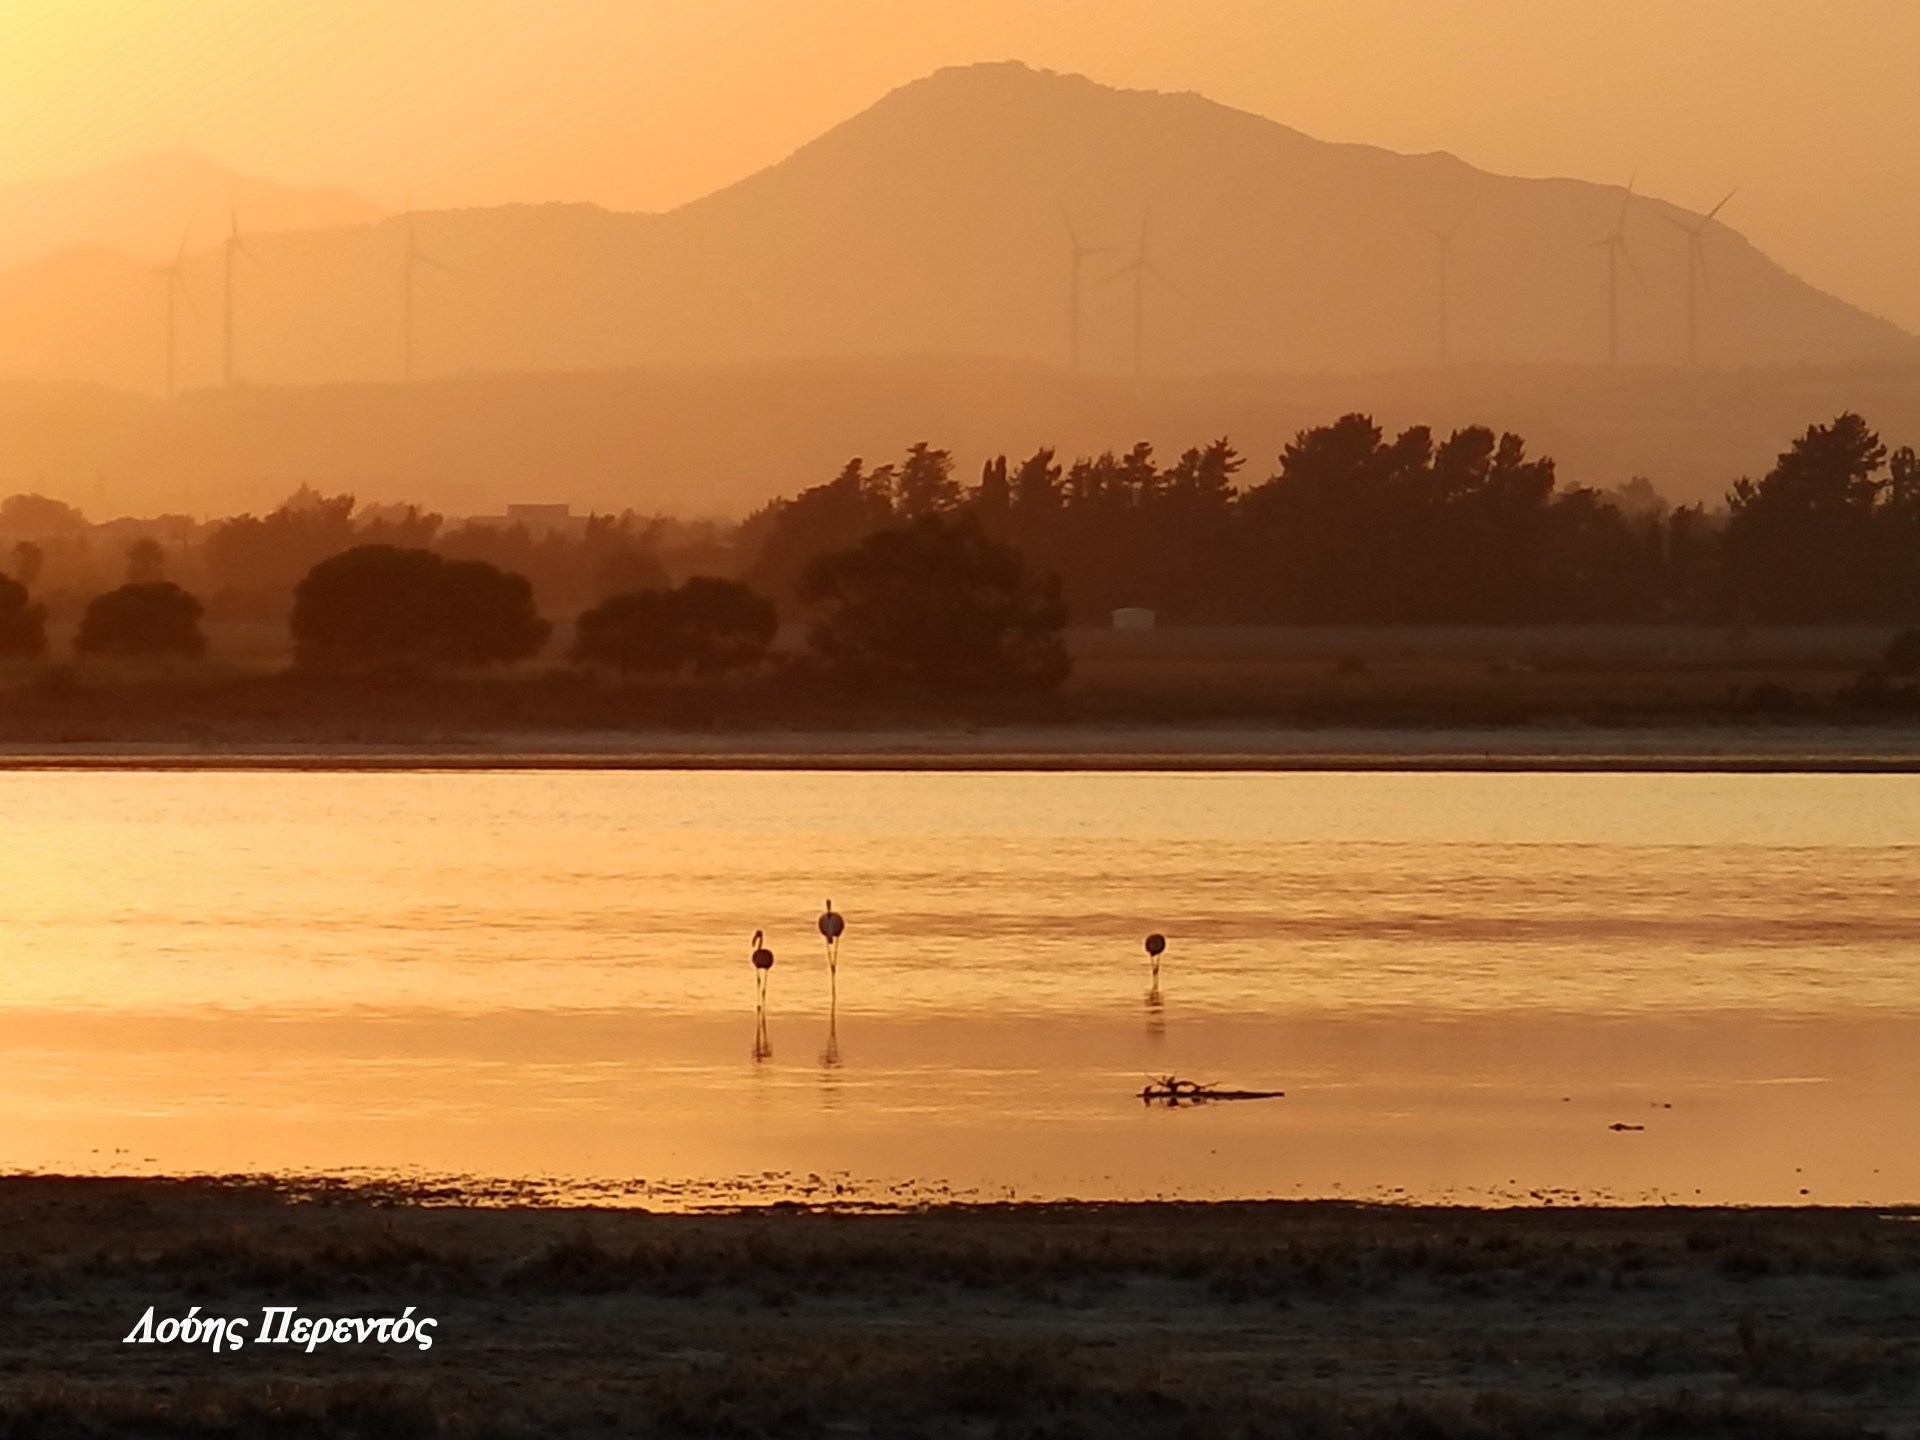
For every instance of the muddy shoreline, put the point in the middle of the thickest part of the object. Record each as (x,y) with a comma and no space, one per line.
(1704,749)
(1295,1318)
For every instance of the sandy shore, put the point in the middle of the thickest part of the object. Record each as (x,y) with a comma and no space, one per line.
(1101,1321)
(1573,748)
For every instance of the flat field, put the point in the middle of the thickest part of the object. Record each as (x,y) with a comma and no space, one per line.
(1295,1319)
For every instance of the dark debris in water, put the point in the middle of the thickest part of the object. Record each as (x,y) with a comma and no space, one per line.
(1171,1090)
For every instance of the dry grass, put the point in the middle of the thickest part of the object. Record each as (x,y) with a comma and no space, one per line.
(1298,1320)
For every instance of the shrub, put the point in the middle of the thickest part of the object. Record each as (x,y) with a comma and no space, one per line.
(707,626)
(381,604)
(155,617)
(935,604)
(23,624)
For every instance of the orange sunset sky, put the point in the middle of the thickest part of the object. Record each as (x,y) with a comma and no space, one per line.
(1812,110)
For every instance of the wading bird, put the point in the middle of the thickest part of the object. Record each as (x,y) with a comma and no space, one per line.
(832,927)
(762,964)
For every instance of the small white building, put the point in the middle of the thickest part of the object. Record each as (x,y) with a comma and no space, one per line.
(1132,617)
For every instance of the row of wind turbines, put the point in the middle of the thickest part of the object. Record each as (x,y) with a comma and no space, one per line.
(232,248)
(1141,267)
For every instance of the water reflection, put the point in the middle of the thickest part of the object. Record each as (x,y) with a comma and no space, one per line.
(762,1046)
(479,972)
(830,1056)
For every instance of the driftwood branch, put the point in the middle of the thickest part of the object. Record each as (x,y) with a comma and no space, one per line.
(1172,1090)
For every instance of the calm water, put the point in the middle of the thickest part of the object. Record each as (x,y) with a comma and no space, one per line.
(1462,982)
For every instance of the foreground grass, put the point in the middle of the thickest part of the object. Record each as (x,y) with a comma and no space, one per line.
(1303,1320)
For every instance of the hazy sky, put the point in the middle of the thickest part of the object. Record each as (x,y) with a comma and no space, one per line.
(1810,107)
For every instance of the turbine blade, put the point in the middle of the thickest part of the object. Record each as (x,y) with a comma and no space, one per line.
(1073,237)
(1634,266)
(1682,226)
(1626,200)
(1708,218)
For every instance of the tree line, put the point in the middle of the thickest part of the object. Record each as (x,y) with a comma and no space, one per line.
(902,569)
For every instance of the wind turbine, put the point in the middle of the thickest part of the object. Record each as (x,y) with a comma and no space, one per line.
(1616,242)
(1444,240)
(409,262)
(1696,269)
(1080,255)
(234,248)
(1140,267)
(174,278)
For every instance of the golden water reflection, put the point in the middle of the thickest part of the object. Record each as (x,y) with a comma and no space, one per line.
(1463,983)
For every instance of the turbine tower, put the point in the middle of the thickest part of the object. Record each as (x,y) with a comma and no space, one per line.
(173,276)
(1615,241)
(1079,255)
(234,247)
(409,262)
(1696,233)
(1443,239)
(1140,267)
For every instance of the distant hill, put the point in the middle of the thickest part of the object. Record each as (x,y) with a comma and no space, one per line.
(935,223)
(717,440)
(145,207)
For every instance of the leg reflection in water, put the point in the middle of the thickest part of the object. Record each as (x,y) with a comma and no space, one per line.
(762,1047)
(830,1057)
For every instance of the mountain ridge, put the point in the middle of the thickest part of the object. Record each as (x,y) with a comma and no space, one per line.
(932,222)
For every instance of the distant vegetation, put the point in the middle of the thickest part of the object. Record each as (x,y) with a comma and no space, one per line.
(23,624)
(934,604)
(703,627)
(377,605)
(899,575)
(142,618)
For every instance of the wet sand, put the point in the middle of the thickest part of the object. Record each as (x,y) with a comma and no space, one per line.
(1309,1319)
(1702,749)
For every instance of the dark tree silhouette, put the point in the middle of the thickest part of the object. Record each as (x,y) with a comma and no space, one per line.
(934,604)
(28,561)
(785,536)
(23,624)
(1802,543)
(145,618)
(381,604)
(146,561)
(925,484)
(37,516)
(705,626)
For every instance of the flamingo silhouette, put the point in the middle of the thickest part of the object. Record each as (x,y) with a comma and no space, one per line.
(832,927)
(762,965)
(1156,947)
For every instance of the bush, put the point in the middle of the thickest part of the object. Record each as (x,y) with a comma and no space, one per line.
(935,604)
(23,625)
(707,626)
(380,604)
(156,617)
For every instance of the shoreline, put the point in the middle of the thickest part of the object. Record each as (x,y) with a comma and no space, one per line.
(1552,749)
(1309,1318)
